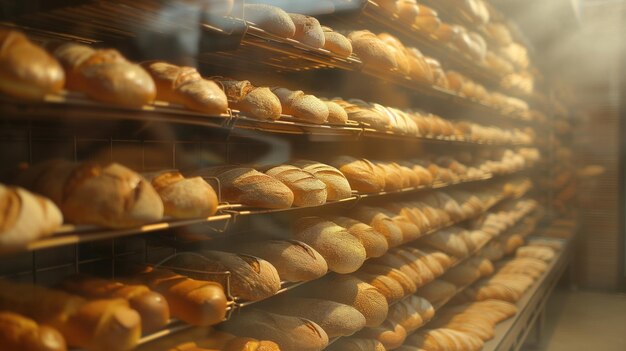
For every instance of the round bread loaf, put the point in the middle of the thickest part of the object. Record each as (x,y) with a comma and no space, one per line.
(271,19)
(337,43)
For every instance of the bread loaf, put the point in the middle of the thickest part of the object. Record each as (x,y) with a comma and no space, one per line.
(361,174)
(337,186)
(151,306)
(255,102)
(353,292)
(228,342)
(381,223)
(271,19)
(343,252)
(372,51)
(302,106)
(356,344)
(105,75)
(251,278)
(437,291)
(110,196)
(308,30)
(98,325)
(184,197)
(391,289)
(406,315)
(26,70)
(25,217)
(407,284)
(195,302)
(362,112)
(336,43)
(396,262)
(290,333)
(185,86)
(307,189)
(295,261)
(390,334)
(335,318)
(375,243)
(249,187)
(22,334)
(336,113)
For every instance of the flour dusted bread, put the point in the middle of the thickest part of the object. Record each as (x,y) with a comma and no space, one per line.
(343,252)
(307,189)
(25,217)
(290,333)
(184,85)
(295,261)
(26,70)
(271,19)
(87,193)
(20,333)
(255,102)
(308,30)
(184,197)
(249,187)
(337,186)
(302,106)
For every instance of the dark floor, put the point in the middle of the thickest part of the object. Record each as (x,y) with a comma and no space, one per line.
(583,321)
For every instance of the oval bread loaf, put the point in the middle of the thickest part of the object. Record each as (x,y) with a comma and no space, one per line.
(308,30)
(184,197)
(337,186)
(336,113)
(375,243)
(271,19)
(307,189)
(361,174)
(302,106)
(337,43)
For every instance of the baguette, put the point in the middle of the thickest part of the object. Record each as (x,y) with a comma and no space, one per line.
(337,43)
(335,318)
(361,174)
(307,189)
(407,284)
(249,187)
(308,30)
(22,334)
(98,325)
(271,19)
(295,261)
(185,86)
(337,186)
(195,302)
(390,334)
(25,217)
(302,106)
(406,315)
(251,278)
(437,291)
(184,197)
(26,70)
(375,243)
(110,196)
(290,333)
(391,289)
(342,251)
(151,306)
(255,102)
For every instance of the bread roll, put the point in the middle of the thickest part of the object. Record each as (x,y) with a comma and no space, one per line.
(22,334)
(307,189)
(249,187)
(336,43)
(356,344)
(353,292)
(308,30)
(372,51)
(271,19)
(335,318)
(290,333)
(98,325)
(337,186)
(26,70)
(302,106)
(25,217)
(185,86)
(361,174)
(336,113)
(105,75)
(343,252)
(251,278)
(375,243)
(195,302)
(184,197)
(295,261)
(111,196)
(254,102)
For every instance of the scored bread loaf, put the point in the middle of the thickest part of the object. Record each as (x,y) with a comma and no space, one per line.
(353,292)
(111,196)
(26,70)
(308,30)
(337,186)
(25,217)
(343,252)
(356,344)
(184,85)
(105,75)
(97,325)
(196,302)
(375,243)
(361,174)
(251,278)
(151,306)
(290,333)
(249,187)
(307,189)
(255,102)
(295,261)
(271,19)
(336,43)
(335,318)
(23,334)
(302,106)
(184,197)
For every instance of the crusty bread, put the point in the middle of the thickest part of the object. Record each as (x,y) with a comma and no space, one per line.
(362,112)
(307,189)
(271,19)
(23,334)
(381,223)
(249,187)
(302,106)
(255,102)
(375,243)
(26,70)
(391,289)
(337,43)
(184,197)
(343,252)
(308,30)
(405,281)
(372,51)
(336,113)
(337,186)
(335,318)
(290,333)
(361,174)
(294,260)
